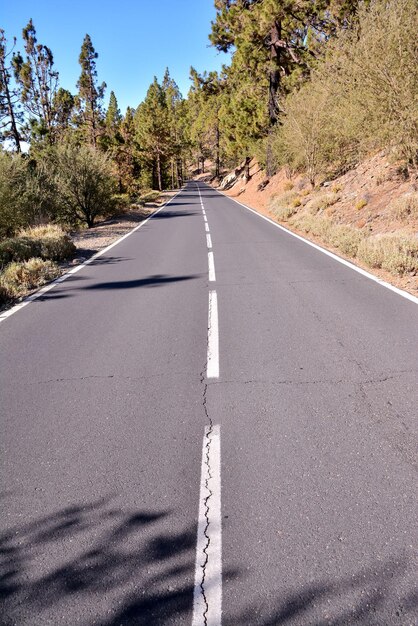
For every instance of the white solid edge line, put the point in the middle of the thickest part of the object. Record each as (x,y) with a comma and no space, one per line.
(208,569)
(211,263)
(212,369)
(77,268)
(361,271)
(209,241)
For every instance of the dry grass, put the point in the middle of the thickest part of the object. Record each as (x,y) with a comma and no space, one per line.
(322,201)
(283,206)
(405,207)
(288,185)
(341,236)
(397,253)
(18,279)
(46,242)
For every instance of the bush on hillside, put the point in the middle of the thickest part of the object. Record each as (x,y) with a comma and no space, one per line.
(392,252)
(361,97)
(20,278)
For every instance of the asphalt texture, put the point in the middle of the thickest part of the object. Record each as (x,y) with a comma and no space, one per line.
(104,402)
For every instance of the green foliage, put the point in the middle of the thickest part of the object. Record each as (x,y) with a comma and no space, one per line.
(18,249)
(160,123)
(90,93)
(122,202)
(38,83)
(84,184)
(360,97)
(148,196)
(12,187)
(10,111)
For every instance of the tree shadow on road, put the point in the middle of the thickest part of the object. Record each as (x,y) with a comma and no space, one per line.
(134,561)
(151,281)
(96,564)
(367,598)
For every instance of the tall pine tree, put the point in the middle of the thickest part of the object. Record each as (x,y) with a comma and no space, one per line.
(38,83)
(90,93)
(10,114)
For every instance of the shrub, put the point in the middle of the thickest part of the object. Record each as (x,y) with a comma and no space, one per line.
(361,204)
(322,201)
(346,238)
(4,298)
(395,253)
(360,97)
(20,278)
(283,206)
(18,249)
(148,196)
(288,185)
(46,242)
(122,202)
(84,184)
(12,185)
(405,207)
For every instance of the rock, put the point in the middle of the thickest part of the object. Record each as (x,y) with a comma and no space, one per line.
(78,260)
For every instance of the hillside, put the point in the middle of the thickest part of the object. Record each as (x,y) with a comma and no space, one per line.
(376,201)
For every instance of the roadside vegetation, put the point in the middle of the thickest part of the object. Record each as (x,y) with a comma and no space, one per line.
(312,89)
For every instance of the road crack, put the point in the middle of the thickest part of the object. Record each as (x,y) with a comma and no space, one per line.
(209,493)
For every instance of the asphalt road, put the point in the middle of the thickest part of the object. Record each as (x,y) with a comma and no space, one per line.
(106,389)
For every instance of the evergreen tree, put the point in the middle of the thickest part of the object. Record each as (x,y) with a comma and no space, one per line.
(10,114)
(127,159)
(90,94)
(177,141)
(205,101)
(152,130)
(62,108)
(38,84)
(113,117)
(271,40)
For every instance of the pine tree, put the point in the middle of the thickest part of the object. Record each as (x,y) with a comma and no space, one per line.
(205,101)
(270,39)
(62,108)
(177,141)
(113,117)
(127,159)
(38,84)
(153,134)
(90,94)
(10,114)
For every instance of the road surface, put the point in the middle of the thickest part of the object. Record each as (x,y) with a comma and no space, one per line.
(211,422)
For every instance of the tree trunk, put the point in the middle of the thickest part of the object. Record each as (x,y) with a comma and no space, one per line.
(270,169)
(172,174)
(217,157)
(247,167)
(15,132)
(159,177)
(274,78)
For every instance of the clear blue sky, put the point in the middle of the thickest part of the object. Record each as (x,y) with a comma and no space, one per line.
(136,40)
